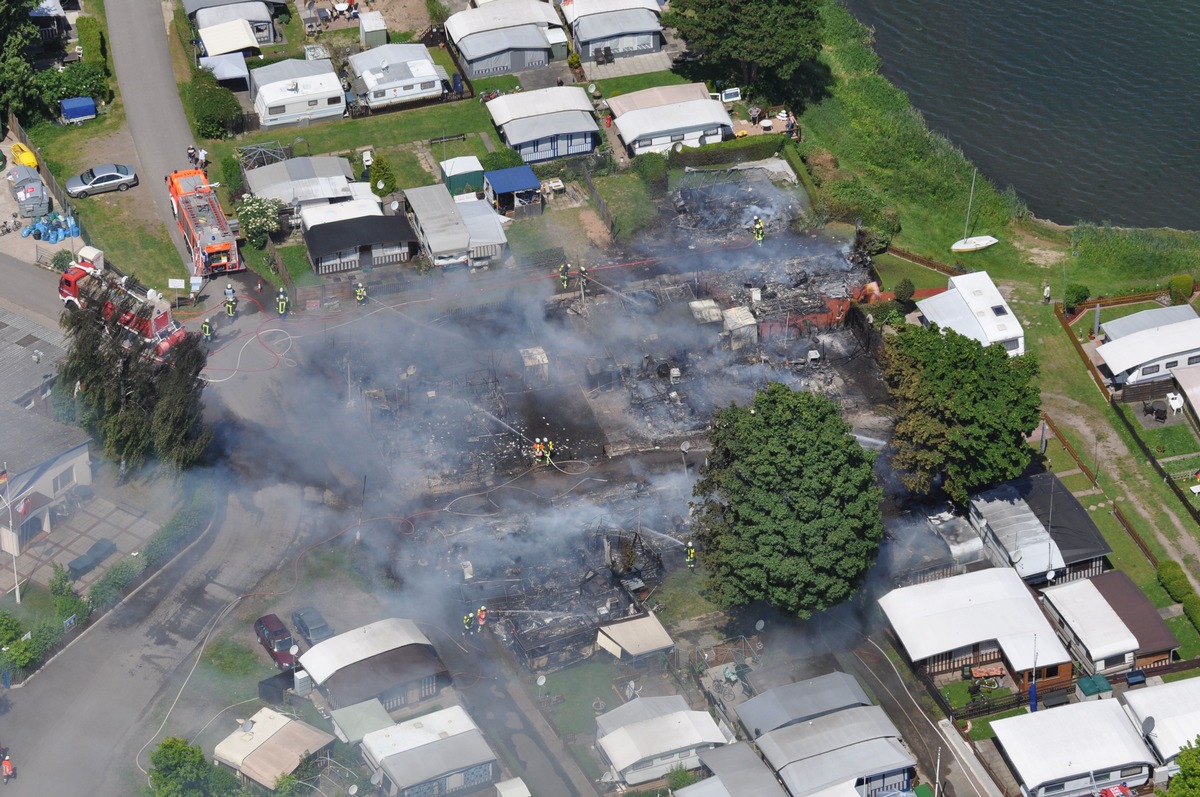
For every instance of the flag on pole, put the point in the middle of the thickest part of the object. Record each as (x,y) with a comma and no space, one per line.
(3,477)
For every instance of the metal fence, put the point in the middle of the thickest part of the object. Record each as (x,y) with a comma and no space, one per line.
(62,202)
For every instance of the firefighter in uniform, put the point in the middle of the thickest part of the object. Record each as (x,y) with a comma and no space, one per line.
(468,623)
(539,450)
(564,275)
(583,279)
(231,306)
(206,330)
(759,231)
(690,555)
(360,295)
(228,290)
(549,449)
(481,618)
(282,304)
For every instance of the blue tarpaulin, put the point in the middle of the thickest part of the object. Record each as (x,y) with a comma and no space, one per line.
(507,181)
(78,109)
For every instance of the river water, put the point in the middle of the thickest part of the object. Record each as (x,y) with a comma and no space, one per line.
(1089,109)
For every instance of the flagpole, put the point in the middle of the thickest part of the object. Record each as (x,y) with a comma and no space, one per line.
(16,536)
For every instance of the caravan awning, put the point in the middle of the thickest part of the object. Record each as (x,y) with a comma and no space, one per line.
(231,66)
(228,37)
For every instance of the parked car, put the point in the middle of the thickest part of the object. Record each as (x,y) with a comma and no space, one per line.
(82,565)
(311,625)
(98,179)
(275,637)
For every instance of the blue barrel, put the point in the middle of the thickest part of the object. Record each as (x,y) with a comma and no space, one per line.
(26,231)
(74,230)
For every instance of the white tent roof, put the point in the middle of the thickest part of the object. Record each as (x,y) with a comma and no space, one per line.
(656,97)
(1091,618)
(313,215)
(1188,379)
(501,14)
(485,225)
(682,730)
(230,66)
(325,658)
(1151,344)
(251,12)
(973,307)
(960,611)
(228,37)
(414,733)
(667,119)
(234,748)
(465,164)
(539,102)
(639,636)
(1168,714)
(1072,740)
(576,9)
(283,752)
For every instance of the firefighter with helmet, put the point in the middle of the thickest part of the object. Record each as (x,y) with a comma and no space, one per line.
(481,618)
(690,555)
(206,330)
(282,303)
(231,304)
(360,295)
(228,291)
(468,623)
(760,232)
(564,275)
(583,279)
(539,450)
(549,449)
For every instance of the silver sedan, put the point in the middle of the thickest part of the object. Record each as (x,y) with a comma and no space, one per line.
(98,179)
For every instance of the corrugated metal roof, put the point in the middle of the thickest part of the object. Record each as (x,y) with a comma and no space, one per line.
(576,9)
(653,738)
(352,723)
(737,772)
(960,611)
(680,117)
(1094,622)
(847,764)
(325,658)
(437,759)
(637,710)
(656,97)
(438,218)
(490,42)
(801,701)
(483,223)
(1174,710)
(1030,548)
(1148,345)
(190,7)
(521,131)
(499,15)
(616,23)
(824,734)
(540,102)
(252,12)
(1070,741)
(1147,319)
(418,733)
(304,179)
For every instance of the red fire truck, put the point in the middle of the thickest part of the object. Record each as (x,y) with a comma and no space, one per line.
(157,327)
(209,237)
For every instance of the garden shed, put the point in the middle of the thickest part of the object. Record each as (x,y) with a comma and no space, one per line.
(462,175)
(372,29)
(516,190)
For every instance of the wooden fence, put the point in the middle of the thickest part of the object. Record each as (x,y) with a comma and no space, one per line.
(911,257)
(1097,377)
(1079,463)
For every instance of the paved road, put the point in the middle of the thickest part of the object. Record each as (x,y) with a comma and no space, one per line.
(137,32)
(29,291)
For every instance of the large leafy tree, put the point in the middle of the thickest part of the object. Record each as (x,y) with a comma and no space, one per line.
(790,506)
(761,43)
(178,769)
(1186,782)
(964,410)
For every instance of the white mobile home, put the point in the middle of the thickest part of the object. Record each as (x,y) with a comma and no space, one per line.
(507,36)
(395,74)
(974,307)
(295,92)
(1151,353)
(613,27)
(546,123)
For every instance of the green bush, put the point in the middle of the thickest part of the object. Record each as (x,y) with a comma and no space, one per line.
(91,39)
(1191,608)
(1170,574)
(1077,294)
(77,80)
(737,150)
(438,12)
(652,168)
(573,61)
(61,260)
(503,158)
(904,290)
(1182,286)
(106,590)
(214,107)
(231,176)
(10,628)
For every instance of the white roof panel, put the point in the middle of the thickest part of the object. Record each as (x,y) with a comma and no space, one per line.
(234,748)
(539,102)
(252,12)
(576,9)
(737,772)
(1069,741)
(1031,550)
(392,63)
(616,23)
(484,224)
(499,15)
(682,730)
(532,128)
(657,96)
(973,307)
(640,636)
(1151,344)
(282,92)
(675,118)
(824,734)
(228,37)
(414,733)
(313,215)
(1092,619)
(829,771)
(638,710)
(1170,713)
(325,658)
(1147,319)
(465,164)
(960,611)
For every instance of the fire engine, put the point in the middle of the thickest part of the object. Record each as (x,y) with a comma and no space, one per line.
(209,237)
(157,326)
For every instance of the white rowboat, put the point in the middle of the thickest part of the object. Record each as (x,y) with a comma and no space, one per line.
(973,244)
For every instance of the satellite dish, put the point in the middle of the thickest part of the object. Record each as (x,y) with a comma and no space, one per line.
(685,446)
(394,206)
(383,65)
(353,790)
(247,725)
(379,185)
(377,778)
(1147,726)
(678,146)
(1050,575)
(294,649)
(760,625)
(541,680)
(591,88)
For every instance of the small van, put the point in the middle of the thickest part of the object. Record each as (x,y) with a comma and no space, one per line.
(275,637)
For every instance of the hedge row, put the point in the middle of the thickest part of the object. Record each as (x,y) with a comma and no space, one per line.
(737,150)
(91,39)
(170,538)
(1174,580)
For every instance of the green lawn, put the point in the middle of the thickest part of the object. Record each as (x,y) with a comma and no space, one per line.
(1189,638)
(36,604)
(981,729)
(1128,557)
(1086,321)
(1165,441)
(892,269)
(500,83)
(1180,676)
(629,202)
(958,693)
(681,596)
(1077,482)
(553,229)
(295,260)
(580,685)
(625,85)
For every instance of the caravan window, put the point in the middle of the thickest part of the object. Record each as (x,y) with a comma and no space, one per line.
(378,95)
(278,109)
(334,101)
(1149,369)
(429,85)
(311,103)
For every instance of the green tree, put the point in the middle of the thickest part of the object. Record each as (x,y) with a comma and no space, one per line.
(763,44)
(904,291)
(963,410)
(259,217)
(383,177)
(1186,782)
(10,628)
(790,507)
(18,84)
(177,421)
(178,769)
(77,80)
(503,158)
(214,107)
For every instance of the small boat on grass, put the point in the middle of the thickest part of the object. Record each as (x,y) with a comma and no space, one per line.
(975,242)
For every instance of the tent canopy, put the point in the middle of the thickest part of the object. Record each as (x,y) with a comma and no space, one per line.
(517,178)
(228,37)
(231,66)
(78,108)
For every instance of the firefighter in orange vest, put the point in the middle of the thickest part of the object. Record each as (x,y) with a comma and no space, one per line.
(539,450)
(481,618)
